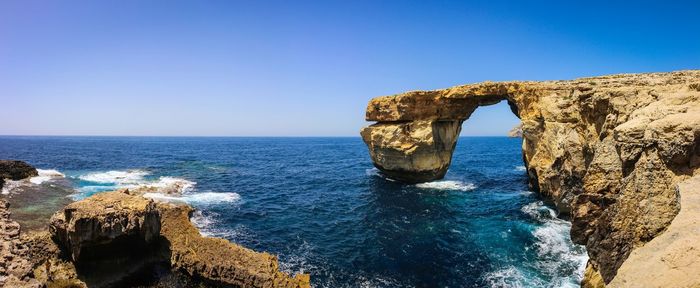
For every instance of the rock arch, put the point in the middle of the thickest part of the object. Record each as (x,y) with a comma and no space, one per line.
(607,150)
(417,131)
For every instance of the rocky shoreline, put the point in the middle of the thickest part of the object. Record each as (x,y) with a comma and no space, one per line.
(608,151)
(120,238)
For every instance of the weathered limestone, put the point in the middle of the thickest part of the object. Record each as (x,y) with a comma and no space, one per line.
(104,218)
(415,151)
(672,257)
(218,259)
(125,234)
(14,263)
(607,150)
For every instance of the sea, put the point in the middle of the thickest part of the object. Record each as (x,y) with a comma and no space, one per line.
(320,205)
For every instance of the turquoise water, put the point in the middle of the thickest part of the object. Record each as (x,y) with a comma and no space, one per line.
(320,205)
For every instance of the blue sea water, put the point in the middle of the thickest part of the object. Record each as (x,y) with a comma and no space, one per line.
(320,205)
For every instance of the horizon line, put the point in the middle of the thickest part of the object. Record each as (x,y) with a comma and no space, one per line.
(221,136)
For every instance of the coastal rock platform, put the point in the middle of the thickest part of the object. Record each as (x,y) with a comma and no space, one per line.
(120,239)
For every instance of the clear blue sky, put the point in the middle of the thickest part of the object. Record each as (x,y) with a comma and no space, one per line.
(288,68)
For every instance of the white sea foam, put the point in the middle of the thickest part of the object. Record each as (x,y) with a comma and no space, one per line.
(540,212)
(201,221)
(136,180)
(209,226)
(447,185)
(197,198)
(167,185)
(46,175)
(520,168)
(555,251)
(117,177)
(374,172)
(507,277)
(11,185)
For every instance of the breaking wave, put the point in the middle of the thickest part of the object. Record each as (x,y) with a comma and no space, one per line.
(447,185)
(197,198)
(507,277)
(520,168)
(46,175)
(209,225)
(95,182)
(374,172)
(116,177)
(558,257)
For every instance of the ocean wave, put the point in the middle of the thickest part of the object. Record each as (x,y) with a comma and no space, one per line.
(508,277)
(133,180)
(166,185)
(520,168)
(116,177)
(374,172)
(46,175)
(197,198)
(447,185)
(557,256)
(210,226)
(538,211)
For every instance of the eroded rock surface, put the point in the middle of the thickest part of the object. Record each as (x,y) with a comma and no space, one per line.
(670,259)
(607,150)
(15,267)
(218,259)
(112,236)
(103,219)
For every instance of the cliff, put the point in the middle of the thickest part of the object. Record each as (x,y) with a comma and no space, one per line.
(609,151)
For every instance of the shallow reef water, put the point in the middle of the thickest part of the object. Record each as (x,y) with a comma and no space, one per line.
(320,205)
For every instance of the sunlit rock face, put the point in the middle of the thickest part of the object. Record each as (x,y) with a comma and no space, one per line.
(607,150)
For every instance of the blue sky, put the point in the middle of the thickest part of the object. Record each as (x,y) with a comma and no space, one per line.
(304,68)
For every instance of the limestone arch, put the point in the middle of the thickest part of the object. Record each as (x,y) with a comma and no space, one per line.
(416,132)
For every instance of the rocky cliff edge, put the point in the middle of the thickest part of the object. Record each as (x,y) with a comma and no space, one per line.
(609,151)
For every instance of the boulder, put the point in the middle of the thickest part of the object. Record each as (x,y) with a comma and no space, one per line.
(103,220)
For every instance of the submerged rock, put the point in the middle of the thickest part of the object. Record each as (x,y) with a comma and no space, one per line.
(607,150)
